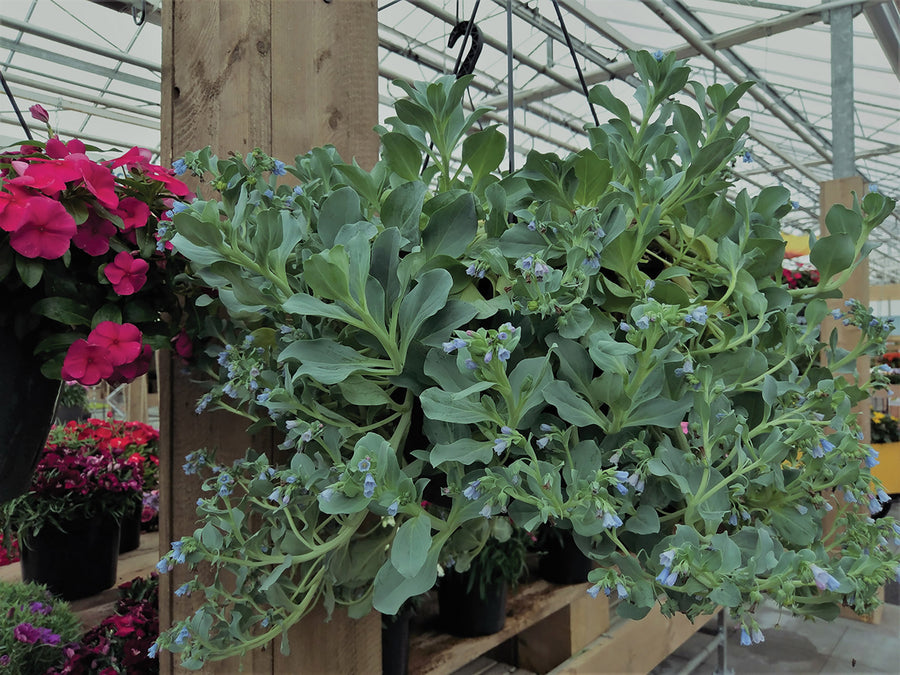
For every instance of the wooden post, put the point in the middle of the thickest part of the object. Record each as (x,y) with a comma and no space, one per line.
(284,76)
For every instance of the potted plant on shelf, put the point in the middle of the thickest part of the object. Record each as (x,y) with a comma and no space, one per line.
(85,282)
(473,600)
(35,629)
(68,523)
(602,340)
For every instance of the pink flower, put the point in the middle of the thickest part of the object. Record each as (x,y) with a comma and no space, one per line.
(133,212)
(86,364)
(139,159)
(122,342)
(94,234)
(127,274)
(39,113)
(39,227)
(57,149)
(183,345)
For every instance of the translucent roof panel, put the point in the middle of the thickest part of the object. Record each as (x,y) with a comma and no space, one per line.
(98,72)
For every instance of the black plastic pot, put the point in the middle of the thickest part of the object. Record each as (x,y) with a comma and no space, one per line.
(563,562)
(75,563)
(25,415)
(395,644)
(130,536)
(464,613)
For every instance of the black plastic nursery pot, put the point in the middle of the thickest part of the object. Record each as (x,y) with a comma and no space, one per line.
(464,613)
(130,536)
(25,415)
(75,563)
(395,644)
(563,562)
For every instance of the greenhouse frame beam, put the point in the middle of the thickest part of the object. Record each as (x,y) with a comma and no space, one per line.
(80,64)
(82,96)
(888,150)
(114,54)
(91,110)
(71,133)
(755,31)
(884,20)
(843,134)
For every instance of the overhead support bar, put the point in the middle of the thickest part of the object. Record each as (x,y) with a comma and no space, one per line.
(885,22)
(114,54)
(843,134)
(755,31)
(91,138)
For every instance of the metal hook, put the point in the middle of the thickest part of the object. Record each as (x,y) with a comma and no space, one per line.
(464,29)
(137,17)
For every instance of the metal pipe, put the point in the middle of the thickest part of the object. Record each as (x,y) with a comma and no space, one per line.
(90,98)
(114,54)
(843,133)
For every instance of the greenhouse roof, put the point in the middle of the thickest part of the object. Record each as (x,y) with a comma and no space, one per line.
(95,65)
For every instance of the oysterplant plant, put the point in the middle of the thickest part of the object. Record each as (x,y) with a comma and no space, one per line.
(602,340)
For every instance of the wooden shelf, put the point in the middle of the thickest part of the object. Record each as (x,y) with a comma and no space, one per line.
(436,653)
(140,562)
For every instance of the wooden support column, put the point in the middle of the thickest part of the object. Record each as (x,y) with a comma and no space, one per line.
(284,76)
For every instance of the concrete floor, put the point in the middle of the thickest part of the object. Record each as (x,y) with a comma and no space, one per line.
(796,646)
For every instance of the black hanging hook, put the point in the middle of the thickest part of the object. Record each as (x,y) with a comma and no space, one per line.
(465,29)
(139,16)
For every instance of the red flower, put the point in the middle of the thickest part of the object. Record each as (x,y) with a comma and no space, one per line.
(126,274)
(122,342)
(39,227)
(94,234)
(133,212)
(86,364)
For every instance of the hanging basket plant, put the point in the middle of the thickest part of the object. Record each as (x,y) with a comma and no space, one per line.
(602,340)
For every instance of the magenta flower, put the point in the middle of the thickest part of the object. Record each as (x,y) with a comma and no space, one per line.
(133,212)
(86,364)
(39,113)
(93,235)
(39,227)
(121,342)
(127,274)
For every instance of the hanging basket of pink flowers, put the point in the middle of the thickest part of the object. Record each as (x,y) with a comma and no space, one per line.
(88,291)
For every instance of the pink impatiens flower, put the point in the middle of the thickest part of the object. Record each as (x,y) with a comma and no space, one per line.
(122,342)
(94,234)
(128,372)
(86,364)
(39,227)
(127,274)
(133,212)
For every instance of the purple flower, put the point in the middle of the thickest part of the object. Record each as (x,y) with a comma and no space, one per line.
(29,634)
(486,511)
(666,558)
(183,590)
(500,445)
(624,327)
(526,263)
(823,579)
(40,608)
(658,55)
(871,457)
(183,635)
(503,354)
(593,262)
(453,345)
(541,270)
(364,464)
(472,491)
(745,637)
(532,226)
(667,577)
(488,357)
(505,430)
(542,442)
(470,364)
(621,591)
(392,509)
(279,168)
(611,520)
(593,591)
(179,166)
(643,323)
(368,486)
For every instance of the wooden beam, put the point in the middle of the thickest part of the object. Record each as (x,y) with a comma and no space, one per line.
(283,76)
